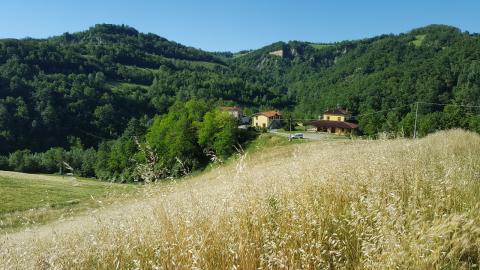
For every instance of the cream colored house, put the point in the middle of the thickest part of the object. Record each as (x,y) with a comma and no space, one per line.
(266,119)
(335,121)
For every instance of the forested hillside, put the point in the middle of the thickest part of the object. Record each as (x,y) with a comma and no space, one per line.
(96,90)
(87,86)
(434,64)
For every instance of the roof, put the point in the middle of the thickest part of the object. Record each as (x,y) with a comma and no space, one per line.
(269,114)
(229,108)
(336,111)
(335,124)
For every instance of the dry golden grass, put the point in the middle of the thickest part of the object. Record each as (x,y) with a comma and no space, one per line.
(337,205)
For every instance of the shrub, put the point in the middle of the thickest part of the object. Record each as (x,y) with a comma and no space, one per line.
(24,161)
(4,163)
(51,160)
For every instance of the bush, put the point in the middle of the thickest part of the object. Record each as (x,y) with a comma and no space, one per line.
(4,163)
(87,168)
(51,160)
(24,161)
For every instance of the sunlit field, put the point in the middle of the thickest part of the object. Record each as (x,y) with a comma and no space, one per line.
(359,204)
(28,200)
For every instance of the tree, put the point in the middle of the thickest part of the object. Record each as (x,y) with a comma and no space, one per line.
(226,137)
(174,137)
(105,117)
(23,161)
(217,132)
(52,160)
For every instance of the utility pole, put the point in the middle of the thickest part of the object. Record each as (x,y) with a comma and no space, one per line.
(415,126)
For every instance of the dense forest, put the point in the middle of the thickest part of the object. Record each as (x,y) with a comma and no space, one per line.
(86,97)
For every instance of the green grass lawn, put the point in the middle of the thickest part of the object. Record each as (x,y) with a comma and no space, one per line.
(418,40)
(28,199)
(320,46)
(269,140)
(237,55)
(117,86)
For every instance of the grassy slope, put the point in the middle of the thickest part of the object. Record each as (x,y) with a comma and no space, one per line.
(36,199)
(320,46)
(267,141)
(328,204)
(418,40)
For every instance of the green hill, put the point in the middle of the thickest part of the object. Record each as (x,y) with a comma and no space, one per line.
(82,89)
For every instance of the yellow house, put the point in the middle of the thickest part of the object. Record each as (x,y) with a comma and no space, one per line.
(266,119)
(336,115)
(335,121)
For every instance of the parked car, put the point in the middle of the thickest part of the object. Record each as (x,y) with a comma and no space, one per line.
(296,136)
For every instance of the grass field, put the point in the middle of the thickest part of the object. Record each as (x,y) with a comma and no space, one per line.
(418,40)
(320,46)
(119,85)
(237,55)
(268,141)
(28,199)
(361,204)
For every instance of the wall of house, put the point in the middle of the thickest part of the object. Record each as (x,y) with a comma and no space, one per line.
(260,121)
(333,117)
(343,131)
(338,131)
(234,113)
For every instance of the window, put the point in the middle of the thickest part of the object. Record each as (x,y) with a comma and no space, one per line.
(339,118)
(328,117)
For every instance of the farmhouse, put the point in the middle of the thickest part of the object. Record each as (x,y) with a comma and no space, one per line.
(234,111)
(237,113)
(269,120)
(335,121)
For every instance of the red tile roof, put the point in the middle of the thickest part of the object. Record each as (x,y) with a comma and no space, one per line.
(335,124)
(229,108)
(336,111)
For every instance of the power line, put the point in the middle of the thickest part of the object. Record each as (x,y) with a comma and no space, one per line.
(392,109)
(354,116)
(399,107)
(455,105)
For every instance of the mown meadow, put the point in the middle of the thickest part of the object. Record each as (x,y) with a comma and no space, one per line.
(29,200)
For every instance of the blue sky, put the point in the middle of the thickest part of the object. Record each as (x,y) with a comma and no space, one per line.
(235,25)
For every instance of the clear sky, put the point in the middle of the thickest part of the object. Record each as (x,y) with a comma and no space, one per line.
(232,25)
